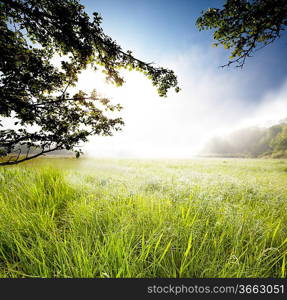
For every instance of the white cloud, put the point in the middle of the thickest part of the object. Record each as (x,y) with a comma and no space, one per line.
(272,108)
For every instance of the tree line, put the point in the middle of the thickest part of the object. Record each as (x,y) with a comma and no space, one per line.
(251,142)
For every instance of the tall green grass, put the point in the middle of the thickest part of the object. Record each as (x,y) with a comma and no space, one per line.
(125,218)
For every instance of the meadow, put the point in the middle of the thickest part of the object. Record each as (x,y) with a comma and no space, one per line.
(66,217)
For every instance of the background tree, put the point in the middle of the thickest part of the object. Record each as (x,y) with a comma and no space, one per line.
(244,26)
(279,142)
(251,142)
(35,93)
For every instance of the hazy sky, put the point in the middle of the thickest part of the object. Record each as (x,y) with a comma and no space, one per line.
(212,101)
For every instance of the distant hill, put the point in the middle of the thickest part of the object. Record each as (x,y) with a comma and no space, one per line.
(251,142)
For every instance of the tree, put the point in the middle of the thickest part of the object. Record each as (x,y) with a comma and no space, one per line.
(279,142)
(35,93)
(245,26)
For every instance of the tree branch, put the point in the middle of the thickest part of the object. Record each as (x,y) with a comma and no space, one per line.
(9,163)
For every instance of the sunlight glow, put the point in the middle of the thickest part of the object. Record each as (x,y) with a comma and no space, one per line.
(210,103)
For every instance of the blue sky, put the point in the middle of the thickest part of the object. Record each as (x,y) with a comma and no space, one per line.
(153,27)
(212,99)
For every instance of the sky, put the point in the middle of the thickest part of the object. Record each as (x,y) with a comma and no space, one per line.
(212,101)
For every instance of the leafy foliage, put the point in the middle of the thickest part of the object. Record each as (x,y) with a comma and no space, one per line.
(245,25)
(35,93)
(279,143)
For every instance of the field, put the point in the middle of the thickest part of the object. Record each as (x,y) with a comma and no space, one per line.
(63,217)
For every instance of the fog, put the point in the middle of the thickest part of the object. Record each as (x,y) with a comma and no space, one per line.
(213,101)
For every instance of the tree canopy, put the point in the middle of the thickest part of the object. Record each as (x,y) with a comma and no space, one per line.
(35,93)
(244,26)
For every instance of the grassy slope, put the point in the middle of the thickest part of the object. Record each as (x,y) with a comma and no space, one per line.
(128,218)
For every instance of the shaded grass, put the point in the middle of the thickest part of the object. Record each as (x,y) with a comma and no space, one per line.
(201,218)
